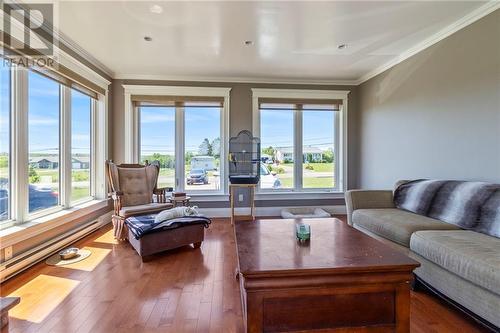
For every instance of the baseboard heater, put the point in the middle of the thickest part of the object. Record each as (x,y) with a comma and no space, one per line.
(29,258)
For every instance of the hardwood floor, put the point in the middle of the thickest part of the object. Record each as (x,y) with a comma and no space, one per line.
(184,290)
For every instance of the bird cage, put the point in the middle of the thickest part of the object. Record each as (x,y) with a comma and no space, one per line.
(244,159)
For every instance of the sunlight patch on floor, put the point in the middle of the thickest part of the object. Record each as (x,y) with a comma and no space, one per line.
(40,296)
(107,238)
(90,263)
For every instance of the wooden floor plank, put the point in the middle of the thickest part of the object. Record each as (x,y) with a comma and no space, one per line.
(183,290)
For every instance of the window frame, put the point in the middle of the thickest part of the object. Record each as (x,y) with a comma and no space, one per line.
(132,128)
(340,136)
(19,151)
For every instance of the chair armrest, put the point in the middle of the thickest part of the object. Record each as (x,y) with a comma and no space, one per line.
(116,195)
(366,199)
(162,190)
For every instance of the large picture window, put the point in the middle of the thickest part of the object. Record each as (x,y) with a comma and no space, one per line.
(5,143)
(44,142)
(81,145)
(185,129)
(302,140)
(157,137)
(200,145)
(48,144)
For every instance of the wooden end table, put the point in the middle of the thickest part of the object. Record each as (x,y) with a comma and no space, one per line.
(181,201)
(232,200)
(340,279)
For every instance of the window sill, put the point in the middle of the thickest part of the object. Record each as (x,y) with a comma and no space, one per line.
(289,195)
(281,195)
(23,231)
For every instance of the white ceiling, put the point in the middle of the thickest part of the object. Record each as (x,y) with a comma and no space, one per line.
(292,40)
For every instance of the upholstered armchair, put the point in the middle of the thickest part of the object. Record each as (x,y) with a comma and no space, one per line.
(134,191)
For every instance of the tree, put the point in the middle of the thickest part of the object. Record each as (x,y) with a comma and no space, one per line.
(205,148)
(216,147)
(269,151)
(328,156)
(33,176)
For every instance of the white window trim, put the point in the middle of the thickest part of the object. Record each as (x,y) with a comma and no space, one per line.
(341,170)
(132,127)
(18,158)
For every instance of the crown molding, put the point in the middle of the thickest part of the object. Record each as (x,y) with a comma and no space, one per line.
(230,79)
(461,23)
(73,46)
(60,37)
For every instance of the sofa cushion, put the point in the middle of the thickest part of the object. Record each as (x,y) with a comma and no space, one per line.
(473,256)
(395,224)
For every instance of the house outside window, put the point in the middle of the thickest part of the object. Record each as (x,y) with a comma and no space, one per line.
(303,139)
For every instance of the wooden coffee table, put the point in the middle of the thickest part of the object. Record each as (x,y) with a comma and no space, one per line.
(341,279)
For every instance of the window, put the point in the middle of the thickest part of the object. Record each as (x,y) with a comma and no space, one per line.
(157,137)
(202,146)
(4,143)
(185,129)
(81,145)
(44,142)
(276,137)
(201,143)
(318,146)
(47,160)
(302,139)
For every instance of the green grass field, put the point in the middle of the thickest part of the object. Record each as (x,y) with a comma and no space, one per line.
(310,179)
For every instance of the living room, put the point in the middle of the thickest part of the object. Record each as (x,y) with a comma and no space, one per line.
(182,166)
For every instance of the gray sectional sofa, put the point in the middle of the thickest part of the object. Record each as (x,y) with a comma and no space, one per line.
(437,225)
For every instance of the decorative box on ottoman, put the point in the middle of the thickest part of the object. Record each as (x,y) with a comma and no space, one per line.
(148,237)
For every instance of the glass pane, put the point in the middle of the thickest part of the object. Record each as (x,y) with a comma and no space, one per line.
(202,148)
(4,141)
(157,135)
(81,110)
(43,132)
(276,135)
(318,149)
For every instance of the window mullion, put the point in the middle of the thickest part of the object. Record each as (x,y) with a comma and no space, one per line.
(297,149)
(65,145)
(179,148)
(19,144)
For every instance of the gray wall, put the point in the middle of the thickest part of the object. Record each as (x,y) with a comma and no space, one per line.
(435,115)
(240,117)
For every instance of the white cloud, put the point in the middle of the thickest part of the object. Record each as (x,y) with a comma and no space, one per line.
(41,121)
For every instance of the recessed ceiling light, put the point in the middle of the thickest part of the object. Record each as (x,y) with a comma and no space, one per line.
(148,38)
(248,42)
(156,9)
(342,46)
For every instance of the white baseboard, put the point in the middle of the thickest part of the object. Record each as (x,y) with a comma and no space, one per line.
(27,259)
(264,211)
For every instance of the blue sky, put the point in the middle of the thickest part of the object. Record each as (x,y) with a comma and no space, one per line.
(158,129)
(4,109)
(43,117)
(277,128)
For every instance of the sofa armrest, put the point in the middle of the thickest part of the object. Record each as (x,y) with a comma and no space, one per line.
(366,199)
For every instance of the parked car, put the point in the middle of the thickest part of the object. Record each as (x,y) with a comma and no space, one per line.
(268,180)
(39,198)
(42,197)
(197,176)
